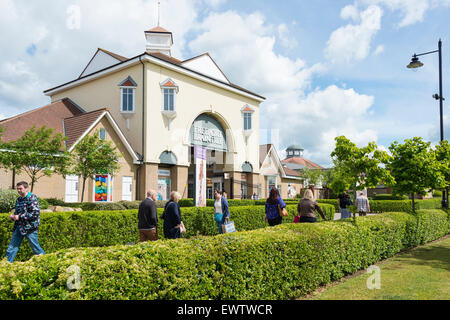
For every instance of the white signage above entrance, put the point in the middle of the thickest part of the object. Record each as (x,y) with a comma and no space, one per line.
(207,132)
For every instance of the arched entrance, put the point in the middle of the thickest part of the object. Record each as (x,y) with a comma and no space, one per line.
(210,131)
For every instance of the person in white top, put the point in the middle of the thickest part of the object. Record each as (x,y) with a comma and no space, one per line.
(363,205)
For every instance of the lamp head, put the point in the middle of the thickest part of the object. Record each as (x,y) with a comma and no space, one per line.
(415,63)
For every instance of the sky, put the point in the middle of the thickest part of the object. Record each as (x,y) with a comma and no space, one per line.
(327,67)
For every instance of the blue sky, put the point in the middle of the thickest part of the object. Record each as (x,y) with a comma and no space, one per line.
(327,67)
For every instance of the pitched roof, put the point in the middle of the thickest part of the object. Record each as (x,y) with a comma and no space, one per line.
(290,172)
(159,56)
(76,126)
(263,151)
(303,162)
(51,116)
(158,30)
(114,55)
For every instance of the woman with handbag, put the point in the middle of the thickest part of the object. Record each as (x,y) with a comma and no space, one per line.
(173,225)
(275,208)
(221,210)
(306,209)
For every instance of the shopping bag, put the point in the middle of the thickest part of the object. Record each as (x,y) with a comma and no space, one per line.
(182,227)
(228,227)
(283,212)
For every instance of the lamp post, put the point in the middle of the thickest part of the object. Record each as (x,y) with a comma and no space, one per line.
(414,64)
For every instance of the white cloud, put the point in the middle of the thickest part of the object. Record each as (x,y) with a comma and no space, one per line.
(379,50)
(286,38)
(350,12)
(353,42)
(312,120)
(412,11)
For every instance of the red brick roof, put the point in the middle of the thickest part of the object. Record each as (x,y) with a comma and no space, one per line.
(290,172)
(76,126)
(51,116)
(303,162)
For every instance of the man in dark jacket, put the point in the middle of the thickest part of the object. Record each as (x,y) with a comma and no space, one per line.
(26,222)
(148,218)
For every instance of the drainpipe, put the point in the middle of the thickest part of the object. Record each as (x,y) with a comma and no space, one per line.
(143,131)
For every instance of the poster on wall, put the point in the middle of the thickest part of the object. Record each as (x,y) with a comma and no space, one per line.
(101,188)
(200,176)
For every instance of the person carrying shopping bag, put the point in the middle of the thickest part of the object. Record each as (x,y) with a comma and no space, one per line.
(221,210)
(274,205)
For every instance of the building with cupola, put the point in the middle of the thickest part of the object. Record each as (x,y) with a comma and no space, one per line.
(155,108)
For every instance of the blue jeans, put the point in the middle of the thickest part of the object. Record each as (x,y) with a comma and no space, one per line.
(345,214)
(219,221)
(16,241)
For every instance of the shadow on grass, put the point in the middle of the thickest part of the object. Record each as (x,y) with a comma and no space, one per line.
(434,256)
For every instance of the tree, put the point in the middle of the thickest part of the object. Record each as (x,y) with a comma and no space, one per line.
(93,156)
(38,153)
(335,180)
(359,168)
(443,158)
(312,177)
(415,168)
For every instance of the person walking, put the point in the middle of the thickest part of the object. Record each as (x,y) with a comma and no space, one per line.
(172,217)
(221,210)
(306,209)
(362,204)
(344,201)
(26,222)
(273,205)
(148,218)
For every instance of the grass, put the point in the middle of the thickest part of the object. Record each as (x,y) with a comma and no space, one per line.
(422,273)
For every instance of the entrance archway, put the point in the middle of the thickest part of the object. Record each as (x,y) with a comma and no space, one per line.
(212,132)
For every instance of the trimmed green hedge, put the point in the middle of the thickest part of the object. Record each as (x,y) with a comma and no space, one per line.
(380,206)
(389,197)
(60,230)
(283,262)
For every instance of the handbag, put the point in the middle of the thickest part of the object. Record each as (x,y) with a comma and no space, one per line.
(182,227)
(283,212)
(229,227)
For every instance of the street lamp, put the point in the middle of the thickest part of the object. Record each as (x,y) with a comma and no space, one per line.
(414,64)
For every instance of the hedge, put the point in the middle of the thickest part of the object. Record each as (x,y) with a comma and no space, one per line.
(282,262)
(60,230)
(380,206)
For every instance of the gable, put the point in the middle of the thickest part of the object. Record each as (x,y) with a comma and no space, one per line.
(101,60)
(204,64)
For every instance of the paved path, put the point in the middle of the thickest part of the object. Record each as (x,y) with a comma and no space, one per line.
(337,215)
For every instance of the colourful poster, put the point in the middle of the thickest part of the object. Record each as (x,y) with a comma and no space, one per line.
(200,176)
(101,188)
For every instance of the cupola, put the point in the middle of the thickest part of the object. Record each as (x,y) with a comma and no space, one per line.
(159,40)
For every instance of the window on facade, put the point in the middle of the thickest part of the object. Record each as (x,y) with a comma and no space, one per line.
(127,99)
(102,134)
(169,99)
(247,121)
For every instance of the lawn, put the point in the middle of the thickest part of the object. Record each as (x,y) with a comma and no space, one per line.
(422,273)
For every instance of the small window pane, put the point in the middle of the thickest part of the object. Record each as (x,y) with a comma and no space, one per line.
(130,101)
(102,134)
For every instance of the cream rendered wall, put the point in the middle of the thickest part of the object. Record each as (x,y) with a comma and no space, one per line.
(104,92)
(194,98)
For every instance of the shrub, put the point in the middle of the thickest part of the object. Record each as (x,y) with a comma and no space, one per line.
(389,197)
(437,194)
(43,204)
(283,262)
(100,206)
(130,204)
(60,230)
(8,199)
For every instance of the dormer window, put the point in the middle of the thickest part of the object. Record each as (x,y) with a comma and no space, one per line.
(127,95)
(169,91)
(169,99)
(247,115)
